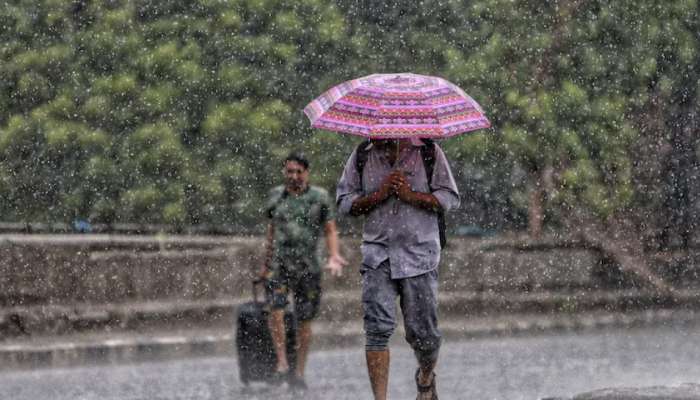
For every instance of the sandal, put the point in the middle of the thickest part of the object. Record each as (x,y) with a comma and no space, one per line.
(296,383)
(427,388)
(279,377)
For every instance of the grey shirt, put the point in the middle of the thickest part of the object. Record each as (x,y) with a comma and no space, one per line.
(406,235)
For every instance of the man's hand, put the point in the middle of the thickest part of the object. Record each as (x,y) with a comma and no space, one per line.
(386,189)
(335,265)
(401,186)
(404,192)
(364,205)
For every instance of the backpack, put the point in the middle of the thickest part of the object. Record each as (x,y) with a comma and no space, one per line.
(427,153)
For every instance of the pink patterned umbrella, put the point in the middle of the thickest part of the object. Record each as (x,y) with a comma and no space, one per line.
(392,106)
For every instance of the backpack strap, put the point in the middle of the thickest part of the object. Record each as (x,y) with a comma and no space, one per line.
(361,155)
(427,152)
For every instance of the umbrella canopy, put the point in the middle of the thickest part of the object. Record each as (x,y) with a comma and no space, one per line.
(393,106)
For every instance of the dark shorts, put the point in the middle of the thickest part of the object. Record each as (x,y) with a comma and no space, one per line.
(305,286)
(418,299)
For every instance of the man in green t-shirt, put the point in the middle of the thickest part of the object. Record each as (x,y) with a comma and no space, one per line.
(299,214)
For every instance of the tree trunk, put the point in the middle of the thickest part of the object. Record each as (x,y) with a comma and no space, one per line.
(618,240)
(535,210)
(681,167)
(629,256)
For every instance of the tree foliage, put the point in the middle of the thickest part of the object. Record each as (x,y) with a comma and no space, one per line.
(180,112)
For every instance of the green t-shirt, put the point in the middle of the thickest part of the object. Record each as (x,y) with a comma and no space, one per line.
(298,222)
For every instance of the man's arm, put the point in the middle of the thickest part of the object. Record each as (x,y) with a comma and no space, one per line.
(443,194)
(426,201)
(269,249)
(350,196)
(395,184)
(443,185)
(331,233)
(365,204)
(335,261)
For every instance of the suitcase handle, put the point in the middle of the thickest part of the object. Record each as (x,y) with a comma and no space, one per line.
(257,282)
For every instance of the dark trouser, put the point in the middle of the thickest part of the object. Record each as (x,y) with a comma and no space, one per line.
(418,299)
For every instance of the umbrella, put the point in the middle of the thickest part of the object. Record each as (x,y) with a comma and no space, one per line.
(396,106)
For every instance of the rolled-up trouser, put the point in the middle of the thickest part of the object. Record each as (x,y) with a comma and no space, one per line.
(418,299)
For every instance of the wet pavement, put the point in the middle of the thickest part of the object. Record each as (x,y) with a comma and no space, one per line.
(527,367)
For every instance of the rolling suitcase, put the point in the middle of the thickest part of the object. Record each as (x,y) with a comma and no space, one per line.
(256,353)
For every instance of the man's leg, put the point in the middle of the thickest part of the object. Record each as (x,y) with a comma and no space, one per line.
(379,293)
(378,370)
(419,307)
(303,343)
(307,301)
(425,377)
(277,297)
(279,339)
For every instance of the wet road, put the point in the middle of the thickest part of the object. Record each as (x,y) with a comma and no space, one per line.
(495,368)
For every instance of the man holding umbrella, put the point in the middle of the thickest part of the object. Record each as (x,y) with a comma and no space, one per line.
(401,249)
(402,185)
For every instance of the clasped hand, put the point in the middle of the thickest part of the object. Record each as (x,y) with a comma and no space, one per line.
(396,184)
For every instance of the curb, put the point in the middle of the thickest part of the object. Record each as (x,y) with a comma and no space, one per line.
(131,347)
(338,305)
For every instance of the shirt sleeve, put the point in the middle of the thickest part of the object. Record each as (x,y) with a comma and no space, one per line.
(443,185)
(349,187)
(271,202)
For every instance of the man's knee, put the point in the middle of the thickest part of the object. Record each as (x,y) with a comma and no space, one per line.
(306,312)
(307,296)
(276,294)
(426,347)
(378,340)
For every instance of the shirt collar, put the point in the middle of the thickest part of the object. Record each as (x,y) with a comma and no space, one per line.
(286,192)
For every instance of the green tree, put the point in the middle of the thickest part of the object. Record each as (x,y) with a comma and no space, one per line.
(180,112)
(155,111)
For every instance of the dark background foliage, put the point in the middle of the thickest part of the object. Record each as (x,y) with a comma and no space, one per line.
(180,113)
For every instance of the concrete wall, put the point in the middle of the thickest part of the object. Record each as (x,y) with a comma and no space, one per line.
(55,284)
(107,269)
(69,269)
